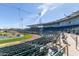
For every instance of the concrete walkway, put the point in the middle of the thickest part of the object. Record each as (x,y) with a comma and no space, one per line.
(72,48)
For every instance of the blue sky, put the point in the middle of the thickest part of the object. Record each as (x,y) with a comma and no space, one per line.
(32,12)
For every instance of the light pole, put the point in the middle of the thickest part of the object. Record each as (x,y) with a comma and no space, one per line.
(21,19)
(22,23)
(41,28)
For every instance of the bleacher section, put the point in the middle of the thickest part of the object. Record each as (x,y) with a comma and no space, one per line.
(52,29)
(60,28)
(31,48)
(12,50)
(25,49)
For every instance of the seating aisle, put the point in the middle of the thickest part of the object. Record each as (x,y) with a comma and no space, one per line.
(72,48)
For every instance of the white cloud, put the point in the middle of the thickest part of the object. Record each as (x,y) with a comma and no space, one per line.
(56,5)
(44,8)
(48,7)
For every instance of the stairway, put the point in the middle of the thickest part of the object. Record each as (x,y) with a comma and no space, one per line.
(72,48)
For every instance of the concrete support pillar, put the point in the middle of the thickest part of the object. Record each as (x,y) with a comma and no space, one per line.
(76,42)
(67,50)
(60,40)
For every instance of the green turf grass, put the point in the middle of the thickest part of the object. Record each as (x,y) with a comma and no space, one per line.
(26,36)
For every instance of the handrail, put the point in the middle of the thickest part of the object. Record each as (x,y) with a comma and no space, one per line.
(59,51)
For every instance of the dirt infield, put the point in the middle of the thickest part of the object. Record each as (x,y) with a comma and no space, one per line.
(34,36)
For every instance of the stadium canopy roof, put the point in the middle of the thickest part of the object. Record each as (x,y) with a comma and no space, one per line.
(73,15)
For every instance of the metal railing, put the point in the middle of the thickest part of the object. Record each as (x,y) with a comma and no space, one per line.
(61,52)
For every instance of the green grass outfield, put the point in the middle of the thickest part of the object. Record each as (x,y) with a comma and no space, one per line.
(4,33)
(26,36)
